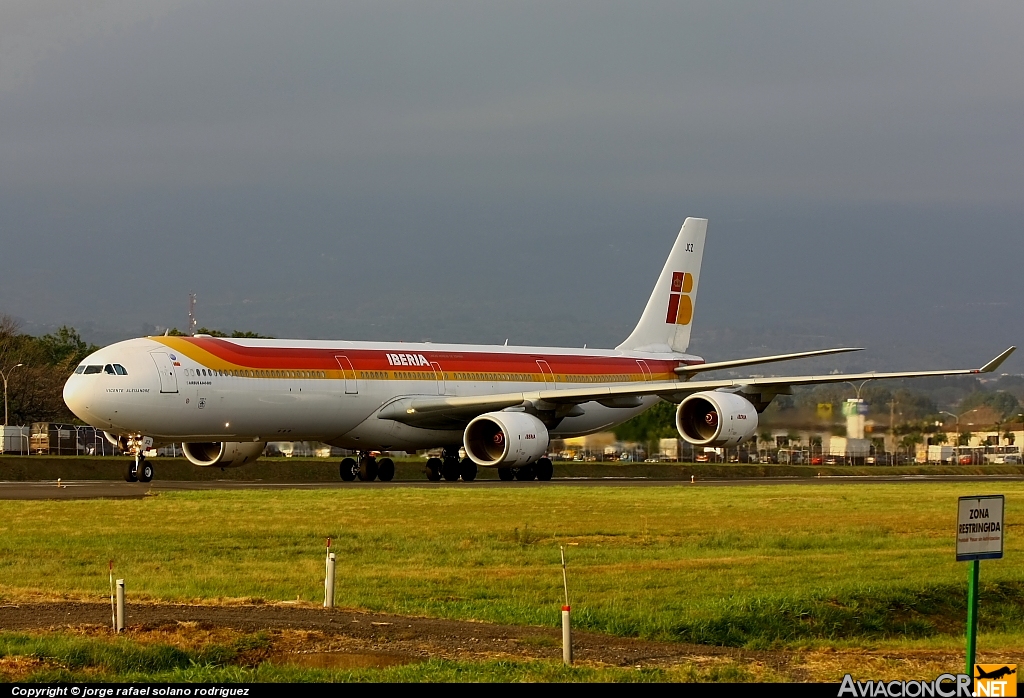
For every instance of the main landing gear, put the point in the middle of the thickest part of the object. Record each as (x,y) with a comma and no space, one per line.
(138,470)
(367,469)
(449,467)
(541,470)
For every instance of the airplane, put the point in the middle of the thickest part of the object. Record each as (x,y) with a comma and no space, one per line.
(995,674)
(223,399)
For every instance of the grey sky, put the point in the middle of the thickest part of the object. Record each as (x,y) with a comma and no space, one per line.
(476,171)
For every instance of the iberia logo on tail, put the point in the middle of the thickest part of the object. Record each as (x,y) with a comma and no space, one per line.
(680,306)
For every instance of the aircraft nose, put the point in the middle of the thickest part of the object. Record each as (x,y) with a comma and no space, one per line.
(76,397)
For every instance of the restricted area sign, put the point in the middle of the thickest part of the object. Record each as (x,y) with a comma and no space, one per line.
(979,528)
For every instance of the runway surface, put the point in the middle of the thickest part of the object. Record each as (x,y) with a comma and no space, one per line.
(115,489)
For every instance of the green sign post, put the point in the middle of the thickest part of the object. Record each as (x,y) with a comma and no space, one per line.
(979,536)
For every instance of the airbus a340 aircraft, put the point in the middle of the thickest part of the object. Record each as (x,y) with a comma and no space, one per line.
(223,399)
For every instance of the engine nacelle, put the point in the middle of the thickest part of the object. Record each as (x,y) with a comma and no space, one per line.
(716,419)
(505,439)
(223,454)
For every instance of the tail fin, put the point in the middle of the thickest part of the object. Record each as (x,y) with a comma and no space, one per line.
(665,324)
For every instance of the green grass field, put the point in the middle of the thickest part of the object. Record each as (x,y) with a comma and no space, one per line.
(14,467)
(792,565)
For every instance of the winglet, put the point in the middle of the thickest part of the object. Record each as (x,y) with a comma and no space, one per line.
(996,362)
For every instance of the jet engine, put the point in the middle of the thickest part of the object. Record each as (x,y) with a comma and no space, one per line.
(223,454)
(505,439)
(716,419)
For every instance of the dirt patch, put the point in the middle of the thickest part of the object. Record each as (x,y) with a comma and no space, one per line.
(17,668)
(302,630)
(313,637)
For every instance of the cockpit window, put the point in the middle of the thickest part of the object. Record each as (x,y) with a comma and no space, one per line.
(120,370)
(80,369)
(109,370)
(93,369)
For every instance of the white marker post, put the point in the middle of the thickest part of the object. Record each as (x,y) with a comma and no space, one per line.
(113,607)
(120,605)
(329,578)
(979,536)
(566,622)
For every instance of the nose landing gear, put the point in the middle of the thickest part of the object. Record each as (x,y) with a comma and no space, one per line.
(138,470)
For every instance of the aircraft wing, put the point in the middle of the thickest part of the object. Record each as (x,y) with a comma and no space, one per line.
(693,369)
(448,412)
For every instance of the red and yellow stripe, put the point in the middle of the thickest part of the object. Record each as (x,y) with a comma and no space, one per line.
(372,364)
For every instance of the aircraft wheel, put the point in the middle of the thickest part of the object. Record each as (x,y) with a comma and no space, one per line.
(467,469)
(385,469)
(544,469)
(129,473)
(348,469)
(434,469)
(506,474)
(526,473)
(367,468)
(450,469)
(144,471)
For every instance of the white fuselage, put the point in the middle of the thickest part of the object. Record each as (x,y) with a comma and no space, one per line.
(196,389)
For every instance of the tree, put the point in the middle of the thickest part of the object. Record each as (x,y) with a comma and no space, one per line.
(659,422)
(35,390)
(909,441)
(65,346)
(1004,404)
(235,334)
(212,333)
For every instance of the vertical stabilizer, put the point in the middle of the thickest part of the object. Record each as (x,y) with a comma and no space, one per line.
(665,324)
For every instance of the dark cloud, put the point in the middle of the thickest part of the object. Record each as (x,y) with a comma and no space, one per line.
(472,172)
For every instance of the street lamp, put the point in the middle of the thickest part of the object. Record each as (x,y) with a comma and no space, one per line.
(5,375)
(957,418)
(858,388)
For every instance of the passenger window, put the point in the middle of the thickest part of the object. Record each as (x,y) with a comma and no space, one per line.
(80,369)
(93,369)
(120,370)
